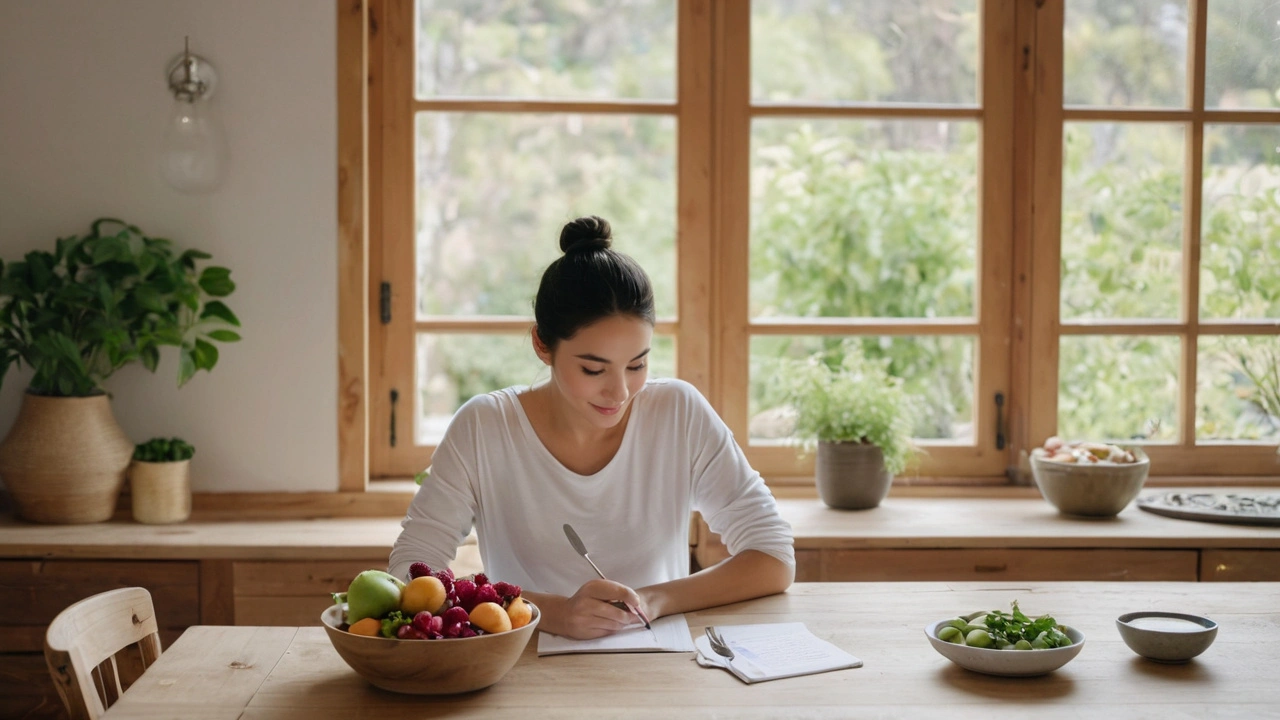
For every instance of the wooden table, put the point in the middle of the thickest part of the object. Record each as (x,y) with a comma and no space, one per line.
(275,672)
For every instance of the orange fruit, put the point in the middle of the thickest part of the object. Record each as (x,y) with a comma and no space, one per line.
(422,593)
(490,617)
(367,626)
(520,613)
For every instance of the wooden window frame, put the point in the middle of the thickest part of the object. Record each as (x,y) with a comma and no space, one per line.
(1016,324)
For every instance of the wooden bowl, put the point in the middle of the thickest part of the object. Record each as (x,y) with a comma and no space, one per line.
(1093,490)
(429,667)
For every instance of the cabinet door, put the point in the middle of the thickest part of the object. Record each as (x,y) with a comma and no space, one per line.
(1237,565)
(291,592)
(998,564)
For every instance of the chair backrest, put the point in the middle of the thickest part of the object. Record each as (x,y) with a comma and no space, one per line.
(86,634)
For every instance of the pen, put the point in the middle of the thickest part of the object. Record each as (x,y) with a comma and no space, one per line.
(581,549)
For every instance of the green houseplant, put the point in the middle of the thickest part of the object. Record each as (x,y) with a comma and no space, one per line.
(160,481)
(860,418)
(74,316)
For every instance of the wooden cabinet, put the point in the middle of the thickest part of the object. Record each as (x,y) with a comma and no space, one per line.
(290,593)
(1042,565)
(1236,565)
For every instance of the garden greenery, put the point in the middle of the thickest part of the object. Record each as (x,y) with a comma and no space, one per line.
(856,400)
(105,299)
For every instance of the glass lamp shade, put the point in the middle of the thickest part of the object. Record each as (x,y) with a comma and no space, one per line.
(193,156)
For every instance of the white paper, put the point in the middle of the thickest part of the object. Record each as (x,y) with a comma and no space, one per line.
(772,651)
(669,634)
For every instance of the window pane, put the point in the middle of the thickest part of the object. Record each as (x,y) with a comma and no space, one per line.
(1122,220)
(494,191)
(1125,53)
(863,218)
(1118,388)
(1238,389)
(819,51)
(936,370)
(1242,64)
(1240,235)
(453,368)
(547,49)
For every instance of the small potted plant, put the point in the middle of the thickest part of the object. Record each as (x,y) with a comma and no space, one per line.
(74,315)
(861,419)
(160,481)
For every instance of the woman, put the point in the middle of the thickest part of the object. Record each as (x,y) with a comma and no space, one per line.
(621,458)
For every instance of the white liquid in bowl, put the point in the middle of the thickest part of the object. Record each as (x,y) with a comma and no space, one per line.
(1165,624)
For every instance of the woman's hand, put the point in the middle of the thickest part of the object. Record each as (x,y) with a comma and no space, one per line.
(589,613)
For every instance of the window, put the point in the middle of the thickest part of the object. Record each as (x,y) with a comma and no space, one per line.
(1061,219)
(1155,310)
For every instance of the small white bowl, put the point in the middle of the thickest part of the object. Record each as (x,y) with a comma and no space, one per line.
(1166,637)
(1007,663)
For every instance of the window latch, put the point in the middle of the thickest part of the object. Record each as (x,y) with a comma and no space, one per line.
(999,421)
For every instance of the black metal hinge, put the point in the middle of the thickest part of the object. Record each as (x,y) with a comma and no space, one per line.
(384,303)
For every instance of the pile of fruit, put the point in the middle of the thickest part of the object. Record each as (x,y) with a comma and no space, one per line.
(1084,453)
(433,605)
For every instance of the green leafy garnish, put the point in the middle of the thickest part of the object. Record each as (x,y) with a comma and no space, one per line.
(392,622)
(1008,628)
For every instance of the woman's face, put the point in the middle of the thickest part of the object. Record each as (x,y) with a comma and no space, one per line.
(601,368)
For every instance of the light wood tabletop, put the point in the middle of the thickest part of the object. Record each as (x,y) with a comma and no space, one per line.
(277,672)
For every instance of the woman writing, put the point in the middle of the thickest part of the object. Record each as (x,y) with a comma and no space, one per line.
(621,458)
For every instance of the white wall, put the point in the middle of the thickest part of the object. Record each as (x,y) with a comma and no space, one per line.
(83,102)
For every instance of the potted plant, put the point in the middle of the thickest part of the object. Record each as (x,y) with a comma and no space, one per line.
(160,481)
(96,303)
(859,416)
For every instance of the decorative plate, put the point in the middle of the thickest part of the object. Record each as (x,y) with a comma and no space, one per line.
(1238,508)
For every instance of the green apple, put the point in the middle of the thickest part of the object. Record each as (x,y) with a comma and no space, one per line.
(373,594)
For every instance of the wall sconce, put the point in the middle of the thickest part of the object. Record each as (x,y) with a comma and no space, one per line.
(193,157)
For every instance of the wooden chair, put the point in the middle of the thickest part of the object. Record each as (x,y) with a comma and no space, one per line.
(87,634)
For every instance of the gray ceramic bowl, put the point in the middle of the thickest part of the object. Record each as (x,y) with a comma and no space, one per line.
(1100,490)
(1008,663)
(1166,637)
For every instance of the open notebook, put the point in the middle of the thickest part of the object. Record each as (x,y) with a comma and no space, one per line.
(669,634)
(772,651)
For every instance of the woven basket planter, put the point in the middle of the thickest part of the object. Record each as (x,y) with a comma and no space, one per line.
(65,459)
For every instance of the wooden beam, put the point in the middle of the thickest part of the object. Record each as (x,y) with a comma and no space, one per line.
(353,242)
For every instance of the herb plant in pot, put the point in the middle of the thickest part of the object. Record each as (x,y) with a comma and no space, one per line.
(97,303)
(860,418)
(160,481)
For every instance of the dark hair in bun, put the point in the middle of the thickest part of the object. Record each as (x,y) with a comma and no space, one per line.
(590,282)
(586,234)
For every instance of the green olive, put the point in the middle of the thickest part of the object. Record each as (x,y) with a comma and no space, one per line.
(1022,645)
(958,623)
(979,638)
(951,634)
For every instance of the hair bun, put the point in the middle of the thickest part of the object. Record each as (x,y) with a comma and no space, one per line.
(586,234)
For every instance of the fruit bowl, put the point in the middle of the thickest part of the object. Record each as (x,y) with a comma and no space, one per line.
(1008,663)
(429,667)
(1094,490)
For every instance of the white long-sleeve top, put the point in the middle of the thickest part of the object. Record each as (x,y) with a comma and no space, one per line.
(676,456)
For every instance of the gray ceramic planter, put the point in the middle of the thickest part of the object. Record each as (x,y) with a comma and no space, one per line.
(851,476)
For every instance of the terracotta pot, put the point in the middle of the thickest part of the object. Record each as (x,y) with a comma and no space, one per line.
(160,491)
(851,476)
(64,461)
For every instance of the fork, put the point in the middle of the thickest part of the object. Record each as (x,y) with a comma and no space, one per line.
(717,643)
